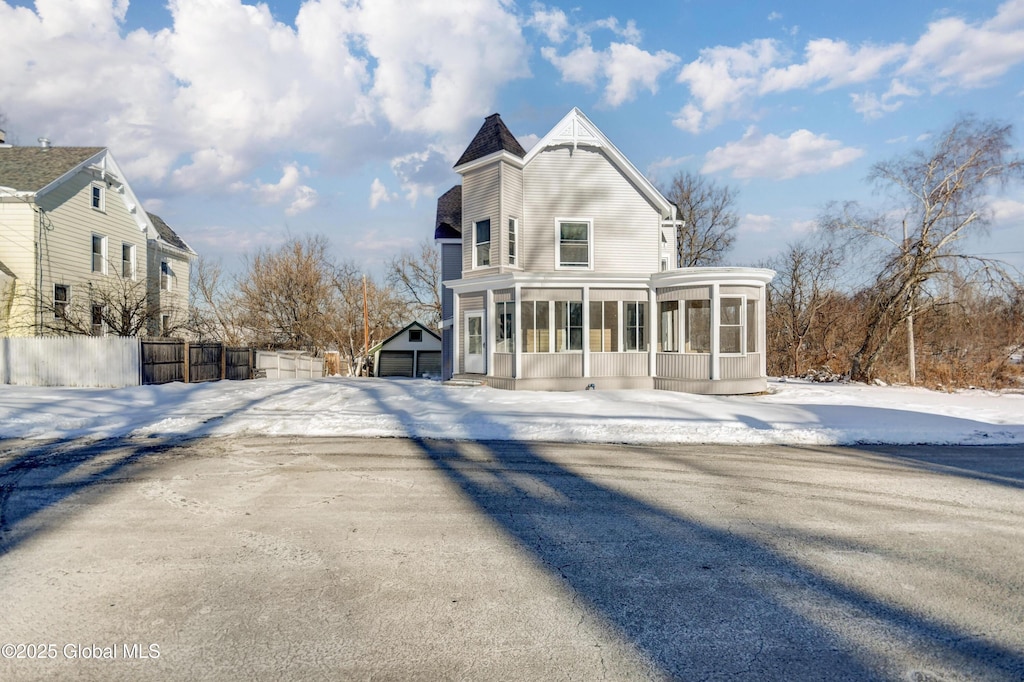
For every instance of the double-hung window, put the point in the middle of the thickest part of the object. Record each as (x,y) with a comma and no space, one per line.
(99,254)
(61,298)
(166,276)
(574,243)
(513,240)
(98,198)
(481,243)
(97,319)
(128,261)
(730,328)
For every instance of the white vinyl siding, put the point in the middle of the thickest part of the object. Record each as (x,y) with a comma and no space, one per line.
(481,200)
(561,182)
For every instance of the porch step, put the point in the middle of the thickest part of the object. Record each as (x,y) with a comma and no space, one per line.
(465,382)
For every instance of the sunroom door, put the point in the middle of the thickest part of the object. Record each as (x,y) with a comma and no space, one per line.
(475,343)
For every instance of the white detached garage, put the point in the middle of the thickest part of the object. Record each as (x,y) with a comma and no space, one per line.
(414,351)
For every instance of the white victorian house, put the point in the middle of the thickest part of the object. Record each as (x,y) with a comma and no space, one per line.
(560,272)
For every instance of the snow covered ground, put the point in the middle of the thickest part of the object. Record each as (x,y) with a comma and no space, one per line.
(794,412)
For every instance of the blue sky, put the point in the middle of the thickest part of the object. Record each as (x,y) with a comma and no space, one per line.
(242,124)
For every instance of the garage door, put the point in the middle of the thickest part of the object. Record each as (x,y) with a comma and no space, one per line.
(429,362)
(395,363)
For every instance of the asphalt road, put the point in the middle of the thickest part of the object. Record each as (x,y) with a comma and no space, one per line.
(253,559)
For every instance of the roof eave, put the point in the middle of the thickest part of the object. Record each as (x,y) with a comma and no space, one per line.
(501,155)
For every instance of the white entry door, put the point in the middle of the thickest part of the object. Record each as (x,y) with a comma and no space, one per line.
(475,343)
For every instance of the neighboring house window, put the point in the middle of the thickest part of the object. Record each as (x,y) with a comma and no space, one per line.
(698,326)
(61,298)
(513,240)
(128,261)
(751,326)
(574,244)
(165,325)
(505,331)
(536,334)
(481,243)
(99,254)
(99,198)
(568,325)
(415,336)
(166,276)
(604,326)
(730,331)
(97,319)
(668,326)
(635,332)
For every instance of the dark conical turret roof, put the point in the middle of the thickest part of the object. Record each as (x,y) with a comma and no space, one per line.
(449,215)
(493,136)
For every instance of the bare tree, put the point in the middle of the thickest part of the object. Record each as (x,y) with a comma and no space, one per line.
(385,313)
(115,305)
(801,298)
(940,199)
(213,312)
(416,276)
(708,218)
(286,296)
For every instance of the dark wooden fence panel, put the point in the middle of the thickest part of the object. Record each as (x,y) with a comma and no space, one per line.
(238,363)
(204,362)
(163,361)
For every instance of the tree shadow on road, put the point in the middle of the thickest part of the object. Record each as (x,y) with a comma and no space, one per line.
(699,602)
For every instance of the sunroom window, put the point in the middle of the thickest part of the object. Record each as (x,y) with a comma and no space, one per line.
(730,333)
(698,326)
(568,325)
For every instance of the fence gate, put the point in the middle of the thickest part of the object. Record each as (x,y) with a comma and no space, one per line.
(237,363)
(163,361)
(204,362)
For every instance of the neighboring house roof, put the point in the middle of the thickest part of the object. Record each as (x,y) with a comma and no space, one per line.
(400,332)
(449,215)
(30,169)
(492,137)
(167,234)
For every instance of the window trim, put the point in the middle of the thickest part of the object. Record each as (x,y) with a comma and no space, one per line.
(513,243)
(166,275)
(742,325)
(98,197)
(131,262)
(641,327)
(415,336)
(477,244)
(566,328)
(558,244)
(102,269)
(60,308)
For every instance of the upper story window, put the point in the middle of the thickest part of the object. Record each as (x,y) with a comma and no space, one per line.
(99,198)
(574,244)
(99,254)
(415,336)
(128,261)
(166,276)
(513,240)
(61,298)
(481,243)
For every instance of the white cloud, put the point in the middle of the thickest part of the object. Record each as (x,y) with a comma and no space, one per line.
(832,63)
(289,189)
(770,156)
(624,67)
(629,69)
(204,102)
(774,16)
(551,22)
(690,118)
(722,78)
(1007,212)
(379,193)
(953,52)
(422,173)
(871,106)
(803,226)
(756,223)
(528,141)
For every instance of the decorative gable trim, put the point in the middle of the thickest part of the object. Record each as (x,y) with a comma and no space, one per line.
(576,130)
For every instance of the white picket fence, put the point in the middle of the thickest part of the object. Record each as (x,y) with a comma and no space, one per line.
(102,361)
(288,364)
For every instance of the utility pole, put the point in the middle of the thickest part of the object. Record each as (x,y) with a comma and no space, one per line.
(911,363)
(366,326)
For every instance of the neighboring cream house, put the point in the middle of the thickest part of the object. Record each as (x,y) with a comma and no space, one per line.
(76,244)
(559,268)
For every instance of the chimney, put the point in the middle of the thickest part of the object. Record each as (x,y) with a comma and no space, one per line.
(44,142)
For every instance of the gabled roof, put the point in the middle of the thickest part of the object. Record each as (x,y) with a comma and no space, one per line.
(402,331)
(576,130)
(30,169)
(167,234)
(449,215)
(492,137)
